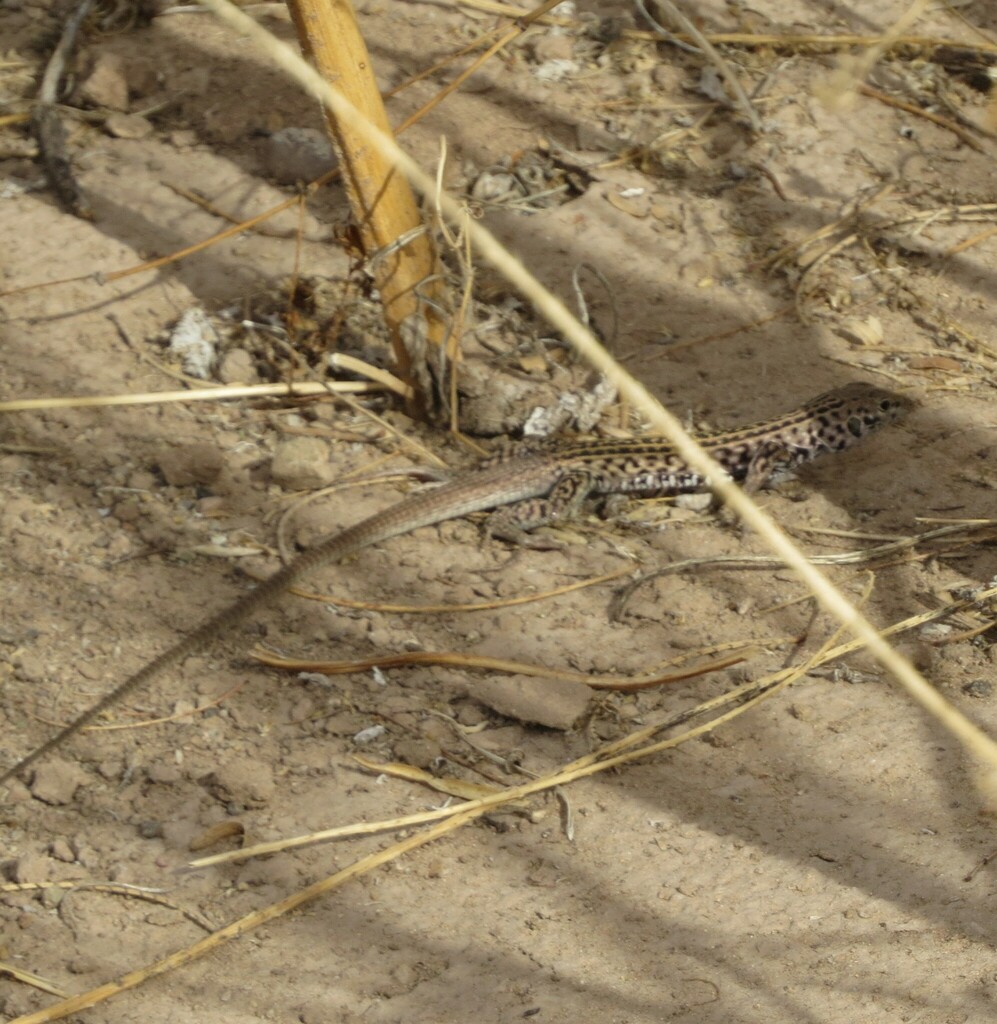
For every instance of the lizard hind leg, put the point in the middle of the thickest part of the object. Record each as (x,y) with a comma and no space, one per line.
(515,523)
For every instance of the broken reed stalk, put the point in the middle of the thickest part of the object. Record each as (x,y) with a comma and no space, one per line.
(381,199)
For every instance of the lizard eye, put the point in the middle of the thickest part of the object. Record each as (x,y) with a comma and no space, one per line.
(886,405)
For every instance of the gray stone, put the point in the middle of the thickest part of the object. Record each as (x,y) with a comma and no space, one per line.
(237,367)
(243,782)
(107,83)
(557,704)
(56,782)
(301,464)
(188,464)
(298,154)
(128,126)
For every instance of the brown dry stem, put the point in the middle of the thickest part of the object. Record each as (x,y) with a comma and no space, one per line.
(382,200)
(625,684)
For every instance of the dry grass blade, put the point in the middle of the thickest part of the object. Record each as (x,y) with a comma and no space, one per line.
(955,535)
(216,211)
(965,213)
(796,249)
(941,215)
(723,67)
(179,254)
(451,786)
(839,88)
(34,980)
(209,394)
(146,723)
(243,925)
(733,332)
(451,659)
(522,24)
(133,892)
(973,240)
(912,108)
(364,828)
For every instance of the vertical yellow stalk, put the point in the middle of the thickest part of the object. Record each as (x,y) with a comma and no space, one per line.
(383,204)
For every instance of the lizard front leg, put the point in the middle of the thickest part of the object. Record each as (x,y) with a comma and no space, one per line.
(515,522)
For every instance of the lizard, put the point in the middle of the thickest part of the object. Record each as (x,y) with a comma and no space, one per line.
(533,488)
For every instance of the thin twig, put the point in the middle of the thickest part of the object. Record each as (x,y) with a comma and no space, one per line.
(47,126)
(210,394)
(912,108)
(711,54)
(623,596)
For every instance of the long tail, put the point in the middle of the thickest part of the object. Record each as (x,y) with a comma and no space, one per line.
(477,491)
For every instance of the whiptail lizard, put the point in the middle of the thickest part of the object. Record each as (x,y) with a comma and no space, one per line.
(538,487)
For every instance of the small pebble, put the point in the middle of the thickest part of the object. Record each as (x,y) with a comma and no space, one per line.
(61,850)
(128,126)
(237,367)
(106,85)
(419,753)
(301,464)
(298,154)
(243,783)
(979,688)
(56,782)
(199,463)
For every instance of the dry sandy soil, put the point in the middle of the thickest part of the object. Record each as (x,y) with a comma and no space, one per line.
(818,859)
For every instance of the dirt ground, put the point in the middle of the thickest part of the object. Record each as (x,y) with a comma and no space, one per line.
(818,859)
